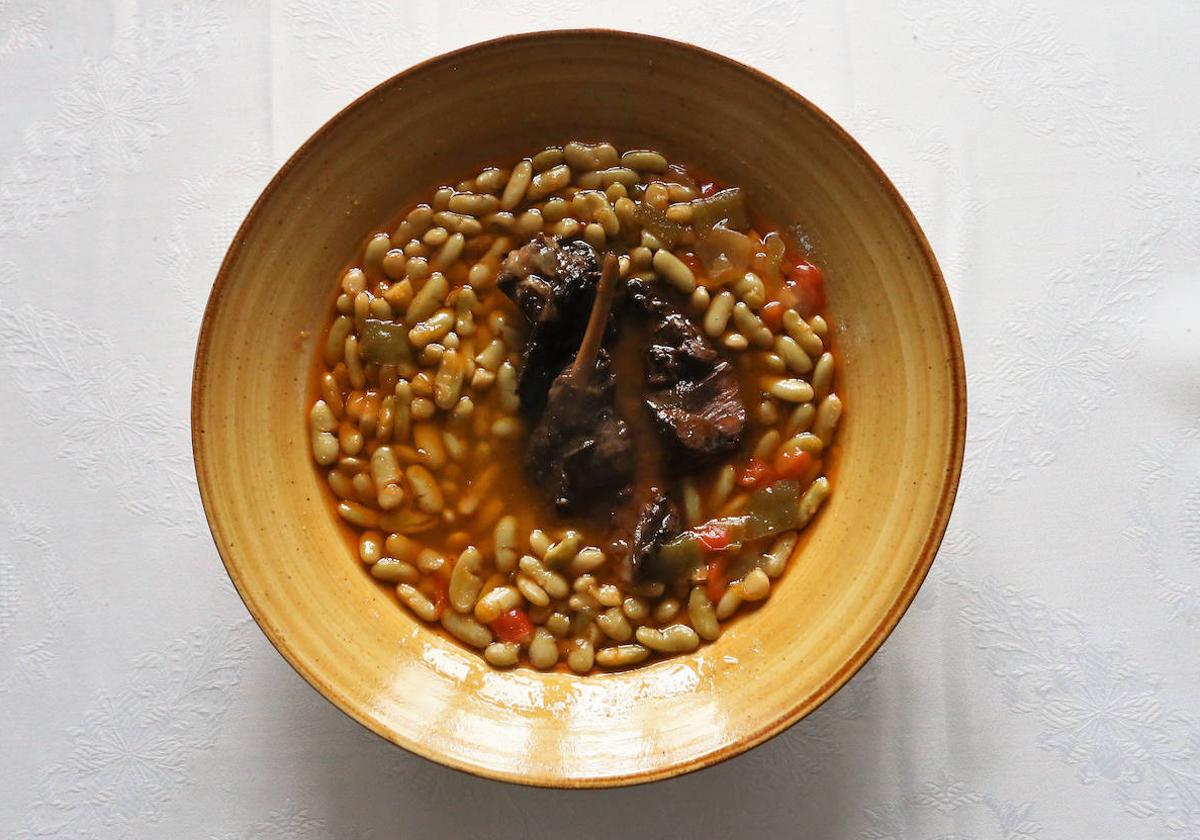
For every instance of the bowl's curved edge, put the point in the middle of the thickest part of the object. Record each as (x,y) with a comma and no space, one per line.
(806,705)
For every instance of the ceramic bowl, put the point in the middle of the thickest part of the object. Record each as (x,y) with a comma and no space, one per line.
(900,375)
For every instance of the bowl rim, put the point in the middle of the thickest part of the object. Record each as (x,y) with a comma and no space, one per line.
(802,707)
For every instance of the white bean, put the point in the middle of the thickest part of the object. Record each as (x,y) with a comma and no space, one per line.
(795,358)
(618,175)
(430,561)
(350,439)
(416,268)
(681,213)
(702,614)
(354,281)
(335,345)
(551,180)
(635,609)
(449,253)
(547,157)
(518,183)
(750,288)
(473,204)
(401,547)
(415,601)
(321,417)
(497,602)
(529,223)
(426,493)
(566,228)
(437,326)
(735,341)
(729,603)
(465,580)
(615,625)
(674,271)
(767,444)
(822,378)
(791,390)
(490,357)
(391,570)
(466,629)
(502,654)
(799,329)
(678,638)
(805,442)
(370,547)
(621,655)
(801,419)
(644,160)
(667,609)
(813,498)
(581,657)
(828,414)
(555,584)
(428,300)
(448,384)
(533,593)
(430,444)
(609,595)
(325,448)
(385,473)
(506,388)
(775,560)
(558,624)
(505,539)
(584,157)
(563,551)
(459,223)
(357,514)
(722,487)
(718,314)
(587,560)
(755,586)
(751,326)
(490,180)
(543,650)
(594,235)
(554,210)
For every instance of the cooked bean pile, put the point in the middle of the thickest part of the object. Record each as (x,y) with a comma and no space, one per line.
(418,430)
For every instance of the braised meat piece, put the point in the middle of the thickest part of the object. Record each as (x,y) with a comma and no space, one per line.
(553,284)
(692,392)
(658,523)
(580,447)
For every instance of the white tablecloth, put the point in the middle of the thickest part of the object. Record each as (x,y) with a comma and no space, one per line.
(1045,683)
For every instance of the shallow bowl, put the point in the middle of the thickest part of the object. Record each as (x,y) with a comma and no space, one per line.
(900,375)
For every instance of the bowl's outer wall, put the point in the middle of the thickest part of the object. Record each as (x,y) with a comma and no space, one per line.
(900,372)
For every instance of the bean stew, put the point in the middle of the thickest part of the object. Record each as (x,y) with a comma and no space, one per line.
(577,410)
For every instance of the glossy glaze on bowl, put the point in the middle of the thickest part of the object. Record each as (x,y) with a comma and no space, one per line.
(901,375)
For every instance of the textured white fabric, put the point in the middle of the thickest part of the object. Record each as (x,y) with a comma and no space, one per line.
(1045,683)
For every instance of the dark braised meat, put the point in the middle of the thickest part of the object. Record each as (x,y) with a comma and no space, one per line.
(553,284)
(658,522)
(581,448)
(692,393)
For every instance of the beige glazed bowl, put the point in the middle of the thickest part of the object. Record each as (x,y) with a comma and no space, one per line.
(900,375)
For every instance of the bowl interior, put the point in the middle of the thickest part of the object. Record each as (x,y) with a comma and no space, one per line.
(900,375)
